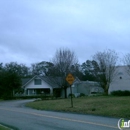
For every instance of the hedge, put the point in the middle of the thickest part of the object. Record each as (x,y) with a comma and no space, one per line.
(120,93)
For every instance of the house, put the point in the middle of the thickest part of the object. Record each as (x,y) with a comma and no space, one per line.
(42,84)
(38,85)
(121,80)
(85,87)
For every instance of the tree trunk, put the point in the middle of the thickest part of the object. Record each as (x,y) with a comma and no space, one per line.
(65,93)
(106,90)
(12,94)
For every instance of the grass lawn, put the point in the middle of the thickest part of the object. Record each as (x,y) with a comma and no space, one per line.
(7,127)
(4,128)
(97,105)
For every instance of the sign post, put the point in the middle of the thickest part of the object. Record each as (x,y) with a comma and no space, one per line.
(70,79)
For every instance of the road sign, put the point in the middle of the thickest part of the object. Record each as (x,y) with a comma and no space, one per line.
(70,79)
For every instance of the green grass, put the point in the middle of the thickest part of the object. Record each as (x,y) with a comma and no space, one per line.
(7,127)
(98,105)
(4,128)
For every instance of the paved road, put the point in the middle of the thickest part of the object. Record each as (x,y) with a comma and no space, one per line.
(14,113)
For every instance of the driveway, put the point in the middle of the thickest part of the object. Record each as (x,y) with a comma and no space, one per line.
(15,114)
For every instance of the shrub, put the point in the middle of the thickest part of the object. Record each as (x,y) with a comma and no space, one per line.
(56,93)
(70,95)
(29,97)
(93,92)
(121,93)
(82,94)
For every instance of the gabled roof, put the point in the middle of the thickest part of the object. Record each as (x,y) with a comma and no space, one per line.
(46,79)
(25,80)
(50,81)
(87,82)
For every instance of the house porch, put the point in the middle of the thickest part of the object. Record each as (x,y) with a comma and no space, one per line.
(37,91)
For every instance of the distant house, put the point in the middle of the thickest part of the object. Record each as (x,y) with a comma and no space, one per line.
(41,84)
(85,87)
(121,80)
(38,85)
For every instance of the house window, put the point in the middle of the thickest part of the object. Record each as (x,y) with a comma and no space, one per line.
(37,81)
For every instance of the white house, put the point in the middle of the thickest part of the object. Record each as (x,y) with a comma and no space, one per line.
(38,85)
(121,80)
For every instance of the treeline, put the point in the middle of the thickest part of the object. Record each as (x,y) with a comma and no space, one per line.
(83,72)
(9,80)
(101,69)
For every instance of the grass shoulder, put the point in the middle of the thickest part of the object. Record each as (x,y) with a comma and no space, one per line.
(98,105)
(6,127)
(3,128)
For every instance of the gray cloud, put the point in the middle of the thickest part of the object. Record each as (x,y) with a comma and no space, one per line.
(31,31)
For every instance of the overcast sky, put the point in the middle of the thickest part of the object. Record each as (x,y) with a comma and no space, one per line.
(32,30)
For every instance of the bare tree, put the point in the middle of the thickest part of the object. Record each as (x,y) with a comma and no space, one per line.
(126,61)
(63,61)
(105,67)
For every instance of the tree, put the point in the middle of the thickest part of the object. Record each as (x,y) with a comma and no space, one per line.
(9,81)
(126,61)
(105,67)
(1,66)
(88,70)
(20,69)
(76,71)
(41,68)
(63,60)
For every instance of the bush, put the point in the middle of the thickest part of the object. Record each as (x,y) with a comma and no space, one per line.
(71,95)
(93,92)
(28,97)
(82,94)
(56,93)
(42,97)
(121,93)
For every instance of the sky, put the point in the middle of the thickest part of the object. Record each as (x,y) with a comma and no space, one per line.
(32,30)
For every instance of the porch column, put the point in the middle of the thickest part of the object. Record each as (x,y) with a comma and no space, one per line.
(25,92)
(51,90)
(28,91)
(34,92)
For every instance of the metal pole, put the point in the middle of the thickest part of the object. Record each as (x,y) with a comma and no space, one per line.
(71,96)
